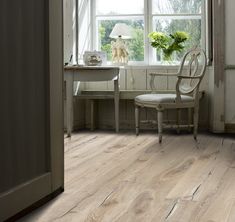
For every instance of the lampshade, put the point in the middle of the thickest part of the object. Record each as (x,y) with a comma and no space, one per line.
(121,29)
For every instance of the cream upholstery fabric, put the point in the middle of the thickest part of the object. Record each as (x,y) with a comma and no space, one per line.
(161,98)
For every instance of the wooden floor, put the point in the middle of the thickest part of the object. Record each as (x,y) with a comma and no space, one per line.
(123,178)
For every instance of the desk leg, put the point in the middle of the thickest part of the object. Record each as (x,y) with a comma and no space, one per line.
(92,114)
(69,104)
(116,102)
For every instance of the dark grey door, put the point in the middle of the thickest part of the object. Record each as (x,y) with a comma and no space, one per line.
(28,170)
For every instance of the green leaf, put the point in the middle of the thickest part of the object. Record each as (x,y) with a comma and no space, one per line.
(168,44)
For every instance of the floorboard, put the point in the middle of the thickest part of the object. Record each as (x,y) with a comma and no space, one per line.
(123,178)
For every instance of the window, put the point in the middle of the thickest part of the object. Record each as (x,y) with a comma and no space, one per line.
(131,12)
(145,16)
(169,16)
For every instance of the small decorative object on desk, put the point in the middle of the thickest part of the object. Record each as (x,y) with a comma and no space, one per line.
(119,52)
(94,58)
(121,32)
(168,43)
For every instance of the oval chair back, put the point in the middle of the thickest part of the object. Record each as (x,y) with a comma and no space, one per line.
(191,72)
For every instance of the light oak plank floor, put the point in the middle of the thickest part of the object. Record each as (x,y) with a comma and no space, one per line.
(123,178)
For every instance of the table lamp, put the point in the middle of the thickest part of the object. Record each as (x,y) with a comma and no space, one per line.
(120,32)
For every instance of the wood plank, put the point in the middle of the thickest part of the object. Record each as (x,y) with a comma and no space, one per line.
(121,177)
(160,81)
(202,171)
(222,203)
(136,79)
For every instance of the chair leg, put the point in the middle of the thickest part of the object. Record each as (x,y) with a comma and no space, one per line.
(195,121)
(137,120)
(159,121)
(178,120)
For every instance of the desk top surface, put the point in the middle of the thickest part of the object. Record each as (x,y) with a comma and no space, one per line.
(91,73)
(82,67)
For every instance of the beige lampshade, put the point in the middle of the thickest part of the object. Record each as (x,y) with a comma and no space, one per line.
(122,30)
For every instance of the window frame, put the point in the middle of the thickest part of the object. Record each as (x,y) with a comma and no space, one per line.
(148,17)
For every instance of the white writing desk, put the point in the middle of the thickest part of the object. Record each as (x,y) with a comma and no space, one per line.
(92,74)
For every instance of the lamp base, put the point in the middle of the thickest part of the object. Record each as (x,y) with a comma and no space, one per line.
(119,52)
(119,63)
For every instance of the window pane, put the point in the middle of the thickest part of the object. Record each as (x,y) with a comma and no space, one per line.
(113,7)
(135,45)
(171,25)
(176,6)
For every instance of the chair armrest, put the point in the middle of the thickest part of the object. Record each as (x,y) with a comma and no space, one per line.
(163,74)
(189,77)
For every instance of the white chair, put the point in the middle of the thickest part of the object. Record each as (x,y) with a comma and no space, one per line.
(186,94)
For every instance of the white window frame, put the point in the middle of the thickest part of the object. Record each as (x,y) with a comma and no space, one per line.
(148,27)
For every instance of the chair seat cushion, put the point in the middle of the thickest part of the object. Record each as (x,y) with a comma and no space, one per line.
(161,98)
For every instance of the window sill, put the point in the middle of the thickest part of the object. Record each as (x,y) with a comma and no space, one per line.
(140,65)
(152,66)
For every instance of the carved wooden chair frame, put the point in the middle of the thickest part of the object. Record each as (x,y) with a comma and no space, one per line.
(187,84)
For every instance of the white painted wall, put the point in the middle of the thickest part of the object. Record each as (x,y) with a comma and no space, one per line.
(230,60)
(69,30)
(229,97)
(230,32)
(136,78)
